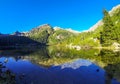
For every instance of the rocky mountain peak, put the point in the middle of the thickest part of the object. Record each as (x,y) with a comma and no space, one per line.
(41,28)
(44,26)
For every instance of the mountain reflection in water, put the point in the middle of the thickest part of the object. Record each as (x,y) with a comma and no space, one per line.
(80,71)
(29,70)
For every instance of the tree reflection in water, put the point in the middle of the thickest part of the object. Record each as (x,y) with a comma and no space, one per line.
(46,58)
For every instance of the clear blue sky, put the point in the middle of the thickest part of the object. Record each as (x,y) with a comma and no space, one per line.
(23,15)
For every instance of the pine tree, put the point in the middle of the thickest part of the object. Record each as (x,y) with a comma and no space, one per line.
(108,34)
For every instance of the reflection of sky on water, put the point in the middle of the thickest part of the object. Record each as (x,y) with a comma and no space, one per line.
(77,72)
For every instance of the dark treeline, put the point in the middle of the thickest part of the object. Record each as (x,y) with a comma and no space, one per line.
(12,40)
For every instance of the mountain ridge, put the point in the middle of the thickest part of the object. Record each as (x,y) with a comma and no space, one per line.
(100,22)
(48,35)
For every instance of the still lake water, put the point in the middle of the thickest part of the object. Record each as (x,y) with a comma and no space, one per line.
(60,66)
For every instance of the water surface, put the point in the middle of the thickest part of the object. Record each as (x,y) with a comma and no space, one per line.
(61,66)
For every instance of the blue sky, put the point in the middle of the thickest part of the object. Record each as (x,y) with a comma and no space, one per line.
(23,15)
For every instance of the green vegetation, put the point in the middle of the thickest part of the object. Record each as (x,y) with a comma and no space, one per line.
(84,39)
(105,35)
(60,36)
(110,33)
(41,34)
(64,37)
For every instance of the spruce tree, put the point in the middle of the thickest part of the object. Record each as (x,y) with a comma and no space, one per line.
(108,34)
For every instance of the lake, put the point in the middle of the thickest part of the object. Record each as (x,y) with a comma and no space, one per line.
(55,65)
